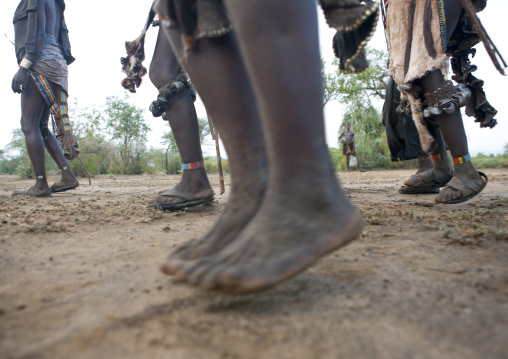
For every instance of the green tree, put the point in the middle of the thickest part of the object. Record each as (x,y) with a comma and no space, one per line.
(365,86)
(358,94)
(172,156)
(18,161)
(96,150)
(330,83)
(17,145)
(126,125)
(204,130)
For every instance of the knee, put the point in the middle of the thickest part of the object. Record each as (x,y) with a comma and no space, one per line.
(27,127)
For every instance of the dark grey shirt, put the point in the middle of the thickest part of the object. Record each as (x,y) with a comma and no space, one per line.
(25,30)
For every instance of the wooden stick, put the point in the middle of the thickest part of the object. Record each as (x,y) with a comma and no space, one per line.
(215,136)
(88,174)
(494,54)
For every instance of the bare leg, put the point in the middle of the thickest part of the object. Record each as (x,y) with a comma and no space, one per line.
(451,125)
(183,121)
(217,71)
(358,163)
(55,150)
(454,133)
(304,214)
(32,107)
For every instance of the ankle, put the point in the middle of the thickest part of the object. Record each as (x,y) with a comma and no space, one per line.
(41,181)
(442,163)
(195,178)
(464,166)
(424,163)
(66,173)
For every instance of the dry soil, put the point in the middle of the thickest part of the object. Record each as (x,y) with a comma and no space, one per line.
(79,278)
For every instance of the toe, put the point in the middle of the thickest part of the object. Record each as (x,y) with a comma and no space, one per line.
(448,194)
(189,270)
(441,196)
(241,281)
(414,180)
(212,278)
(195,274)
(409,182)
(172,267)
(168,268)
(232,278)
(453,195)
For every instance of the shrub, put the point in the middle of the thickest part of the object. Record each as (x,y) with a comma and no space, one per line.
(212,167)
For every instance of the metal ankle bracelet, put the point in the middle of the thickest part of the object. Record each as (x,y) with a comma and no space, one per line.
(446,99)
(182,82)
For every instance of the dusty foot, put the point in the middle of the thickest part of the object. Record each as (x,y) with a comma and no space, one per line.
(284,238)
(425,165)
(40,189)
(436,176)
(67,181)
(241,207)
(465,184)
(433,178)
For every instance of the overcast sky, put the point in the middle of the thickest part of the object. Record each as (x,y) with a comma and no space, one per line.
(98,30)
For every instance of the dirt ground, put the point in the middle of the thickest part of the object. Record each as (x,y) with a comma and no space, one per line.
(79,278)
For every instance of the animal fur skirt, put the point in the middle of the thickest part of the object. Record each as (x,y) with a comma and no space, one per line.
(416,39)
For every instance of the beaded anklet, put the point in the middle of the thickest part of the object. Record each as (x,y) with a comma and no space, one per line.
(463,159)
(438,156)
(423,157)
(192,165)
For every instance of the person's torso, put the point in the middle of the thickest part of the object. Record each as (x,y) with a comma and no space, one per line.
(349,136)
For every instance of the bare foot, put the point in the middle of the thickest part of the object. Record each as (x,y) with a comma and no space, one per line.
(284,238)
(465,184)
(241,207)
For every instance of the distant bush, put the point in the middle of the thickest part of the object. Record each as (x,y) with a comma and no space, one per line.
(373,154)
(490,161)
(338,160)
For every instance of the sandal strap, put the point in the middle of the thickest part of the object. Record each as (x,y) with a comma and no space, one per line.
(174,193)
(433,176)
(459,185)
